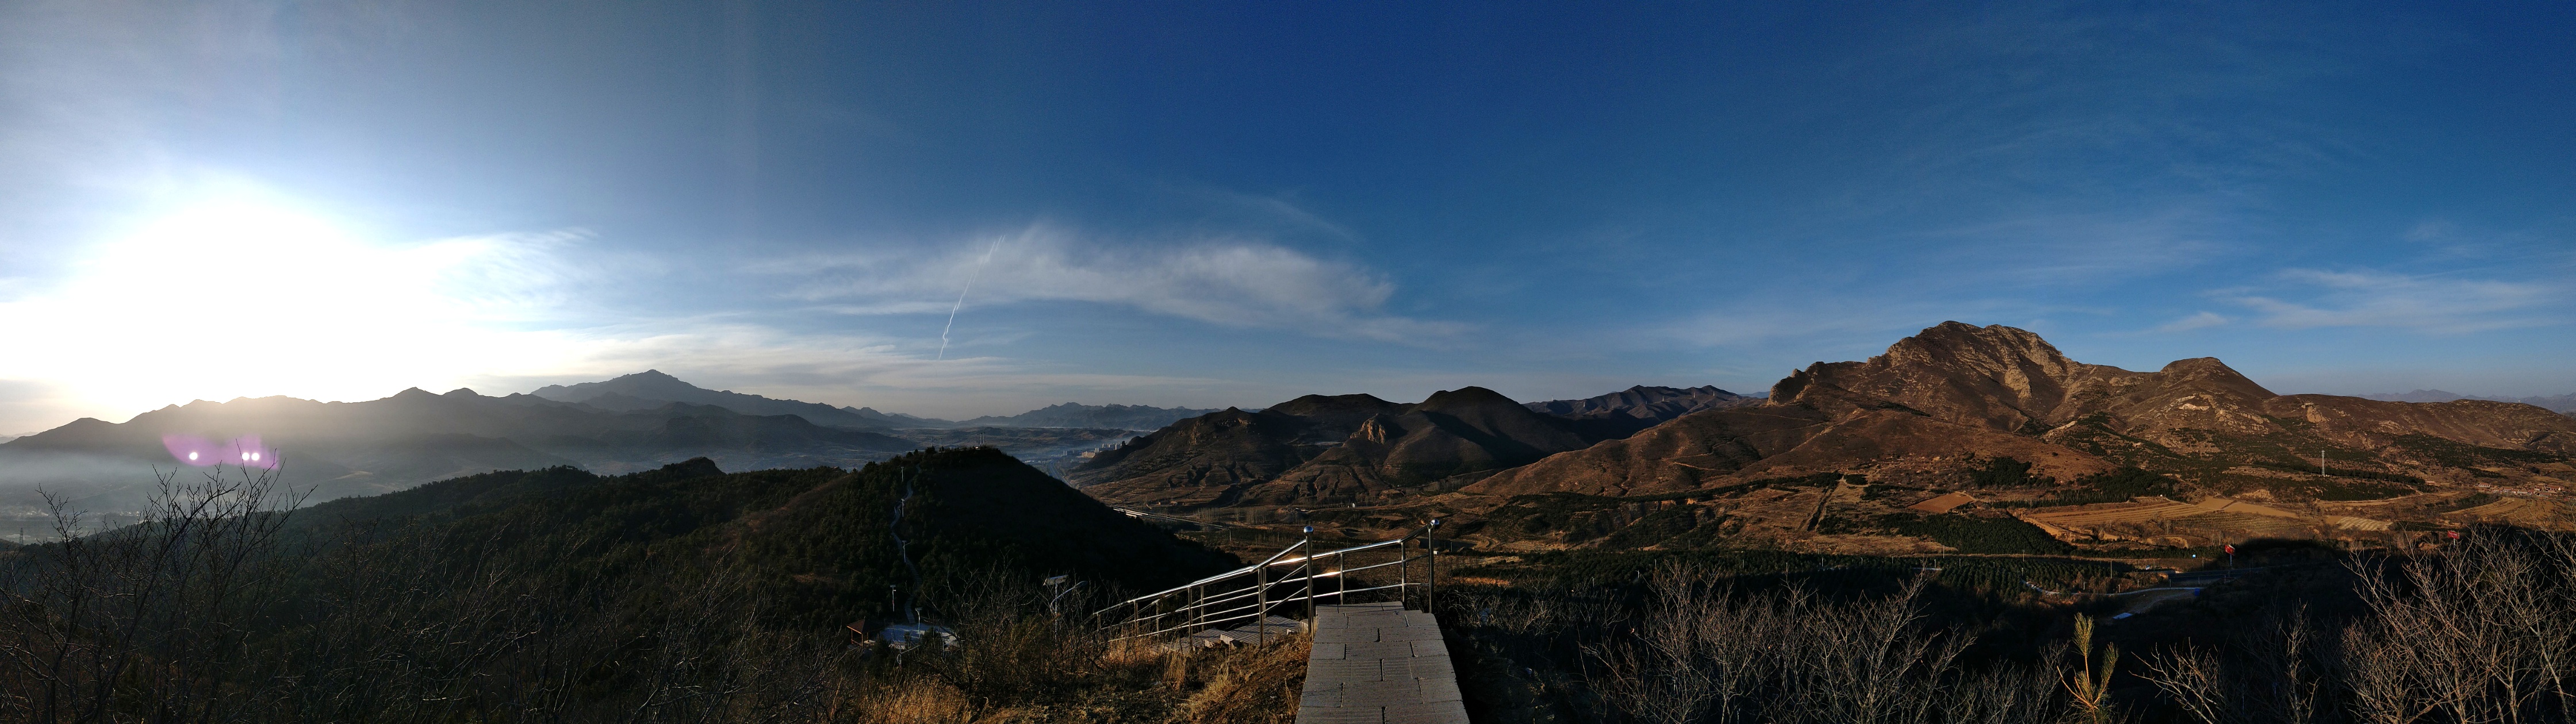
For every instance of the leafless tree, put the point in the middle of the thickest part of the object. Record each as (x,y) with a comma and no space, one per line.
(2480,631)
(153,617)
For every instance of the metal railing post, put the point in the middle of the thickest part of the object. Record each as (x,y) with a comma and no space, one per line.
(1307,562)
(1261,605)
(1341,578)
(1403,573)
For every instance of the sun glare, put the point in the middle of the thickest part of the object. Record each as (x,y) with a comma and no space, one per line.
(253,299)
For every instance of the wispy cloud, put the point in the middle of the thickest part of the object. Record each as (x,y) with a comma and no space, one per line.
(2203,320)
(1227,281)
(2309,298)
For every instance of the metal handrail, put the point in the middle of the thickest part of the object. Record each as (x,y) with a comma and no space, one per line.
(1199,608)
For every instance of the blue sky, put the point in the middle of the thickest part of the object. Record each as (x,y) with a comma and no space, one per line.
(1214,204)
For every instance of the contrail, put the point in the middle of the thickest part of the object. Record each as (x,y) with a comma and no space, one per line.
(961,298)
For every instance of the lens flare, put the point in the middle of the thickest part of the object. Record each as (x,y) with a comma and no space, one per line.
(199,451)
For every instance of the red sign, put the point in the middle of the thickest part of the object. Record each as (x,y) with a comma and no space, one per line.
(2455,535)
(2231,549)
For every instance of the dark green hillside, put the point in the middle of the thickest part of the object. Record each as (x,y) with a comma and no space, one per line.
(815,542)
(829,552)
(482,493)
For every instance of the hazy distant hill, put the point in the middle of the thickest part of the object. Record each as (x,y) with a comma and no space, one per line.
(2564,404)
(1115,417)
(897,419)
(651,389)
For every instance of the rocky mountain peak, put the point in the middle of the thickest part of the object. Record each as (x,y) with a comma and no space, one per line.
(1994,350)
(2209,374)
(1462,399)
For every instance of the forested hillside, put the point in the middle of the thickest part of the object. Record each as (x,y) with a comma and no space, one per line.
(553,593)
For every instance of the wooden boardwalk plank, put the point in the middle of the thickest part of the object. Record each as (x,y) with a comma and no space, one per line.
(1379,664)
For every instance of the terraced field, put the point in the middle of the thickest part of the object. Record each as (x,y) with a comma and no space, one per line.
(2223,505)
(1780,508)
(2251,523)
(2532,512)
(2110,513)
(1943,503)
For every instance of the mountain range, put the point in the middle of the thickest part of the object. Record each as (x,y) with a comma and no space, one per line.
(1955,415)
(1953,408)
(1956,393)
(2564,404)
(1348,448)
(653,388)
(336,449)
(633,422)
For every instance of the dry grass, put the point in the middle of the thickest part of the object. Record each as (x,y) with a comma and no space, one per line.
(1254,686)
(1136,683)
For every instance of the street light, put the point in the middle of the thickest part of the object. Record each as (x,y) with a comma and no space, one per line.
(1431,583)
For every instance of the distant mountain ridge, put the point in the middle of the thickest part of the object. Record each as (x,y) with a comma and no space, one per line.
(1070,414)
(2564,404)
(652,388)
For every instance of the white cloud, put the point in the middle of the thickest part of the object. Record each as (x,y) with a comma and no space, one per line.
(2202,320)
(1225,281)
(2436,304)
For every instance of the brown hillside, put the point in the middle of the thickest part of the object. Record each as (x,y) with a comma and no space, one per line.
(1454,432)
(1319,449)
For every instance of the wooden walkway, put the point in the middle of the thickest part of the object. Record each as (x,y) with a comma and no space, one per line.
(1376,663)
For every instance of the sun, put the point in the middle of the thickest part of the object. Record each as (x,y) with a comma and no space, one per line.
(253,298)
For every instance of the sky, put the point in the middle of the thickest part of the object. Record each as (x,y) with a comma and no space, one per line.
(958,209)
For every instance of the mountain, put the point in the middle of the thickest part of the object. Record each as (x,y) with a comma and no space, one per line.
(2563,404)
(1954,397)
(1113,417)
(1319,449)
(340,449)
(651,389)
(1622,413)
